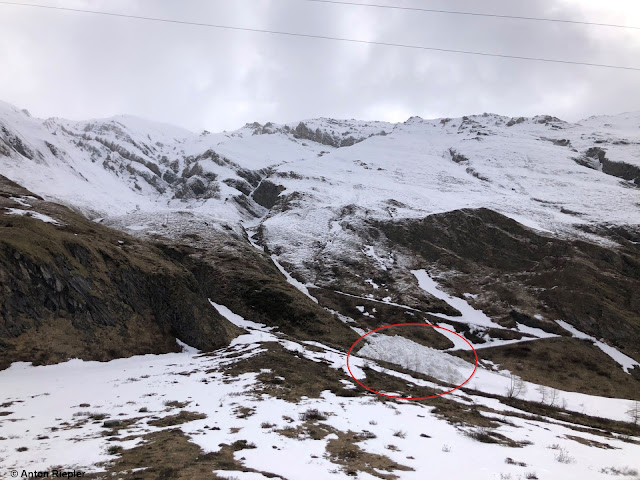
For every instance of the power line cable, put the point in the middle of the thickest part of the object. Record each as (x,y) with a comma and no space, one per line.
(321,37)
(474,14)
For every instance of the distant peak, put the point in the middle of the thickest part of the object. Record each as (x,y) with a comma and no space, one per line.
(414,119)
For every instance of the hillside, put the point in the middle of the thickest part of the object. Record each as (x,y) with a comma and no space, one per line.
(249,262)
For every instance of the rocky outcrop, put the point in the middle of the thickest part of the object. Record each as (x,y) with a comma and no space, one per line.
(267,193)
(76,289)
(596,159)
(323,137)
(622,170)
(519,273)
(230,271)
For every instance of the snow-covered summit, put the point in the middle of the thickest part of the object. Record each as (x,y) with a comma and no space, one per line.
(527,168)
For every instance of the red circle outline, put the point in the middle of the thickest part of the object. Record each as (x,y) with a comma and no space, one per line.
(412,398)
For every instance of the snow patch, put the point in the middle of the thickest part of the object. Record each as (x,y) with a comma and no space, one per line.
(299,285)
(419,358)
(469,314)
(627,363)
(28,213)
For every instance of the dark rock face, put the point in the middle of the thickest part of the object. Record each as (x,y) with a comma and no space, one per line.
(250,176)
(457,157)
(595,158)
(13,142)
(515,121)
(592,287)
(239,185)
(622,170)
(78,289)
(267,193)
(82,290)
(231,272)
(324,137)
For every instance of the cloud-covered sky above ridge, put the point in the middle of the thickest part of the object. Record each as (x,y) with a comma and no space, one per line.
(81,66)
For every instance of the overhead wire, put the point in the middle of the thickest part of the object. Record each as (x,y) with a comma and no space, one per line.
(473,14)
(320,37)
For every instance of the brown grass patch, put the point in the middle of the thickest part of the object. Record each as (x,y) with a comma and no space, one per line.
(590,443)
(353,460)
(244,412)
(169,455)
(564,363)
(183,417)
(291,376)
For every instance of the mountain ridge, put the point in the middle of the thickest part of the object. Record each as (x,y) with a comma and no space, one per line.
(321,197)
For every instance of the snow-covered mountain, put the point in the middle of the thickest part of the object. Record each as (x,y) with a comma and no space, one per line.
(310,191)
(533,169)
(519,236)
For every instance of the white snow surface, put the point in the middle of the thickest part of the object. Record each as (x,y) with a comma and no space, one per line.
(469,314)
(299,285)
(40,403)
(28,213)
(419,358)
(442,366)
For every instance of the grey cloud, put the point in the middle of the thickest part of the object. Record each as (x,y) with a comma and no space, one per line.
(81,66)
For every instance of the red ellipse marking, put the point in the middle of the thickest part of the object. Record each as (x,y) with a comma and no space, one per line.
(411,398)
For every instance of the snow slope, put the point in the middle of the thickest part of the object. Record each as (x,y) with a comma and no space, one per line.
(425,166)
(144,388)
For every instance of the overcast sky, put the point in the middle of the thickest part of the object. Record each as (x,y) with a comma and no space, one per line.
(81,66)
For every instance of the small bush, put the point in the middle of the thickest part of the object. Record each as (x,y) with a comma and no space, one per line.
(446,448)
(511,461)
(366,435)
(312,414)
(482,435)
(114,449)
(267,425)
(91,415)
(242,445)
(21,449)
(175,404)
(563,456)
(531,476)
(625,471)
(400,434)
